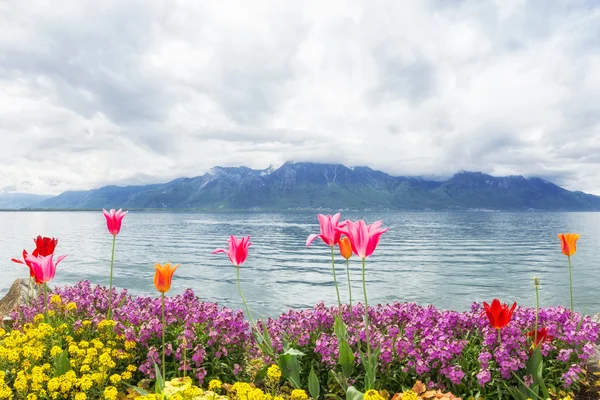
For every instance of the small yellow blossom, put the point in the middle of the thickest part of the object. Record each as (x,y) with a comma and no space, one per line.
(299,394)
(274,373)
(214,385)
(110,393)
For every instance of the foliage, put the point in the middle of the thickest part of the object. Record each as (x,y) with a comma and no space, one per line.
(456,351)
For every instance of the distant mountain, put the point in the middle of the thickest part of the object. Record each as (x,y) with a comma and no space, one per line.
(11,201)
(314,186)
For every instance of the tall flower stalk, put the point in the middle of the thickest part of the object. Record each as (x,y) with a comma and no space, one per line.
(330,235)
(363,241)
(162,281)
(113,223)
(569,247)
(337,289)
(237,251)
(346,252)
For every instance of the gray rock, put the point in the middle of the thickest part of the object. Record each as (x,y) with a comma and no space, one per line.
(16,296)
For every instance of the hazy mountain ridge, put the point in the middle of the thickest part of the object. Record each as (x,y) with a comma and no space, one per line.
(313,186)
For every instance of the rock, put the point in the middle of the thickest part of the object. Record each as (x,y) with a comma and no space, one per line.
(16,296)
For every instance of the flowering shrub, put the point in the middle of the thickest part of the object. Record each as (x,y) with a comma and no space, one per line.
(215,340)
(455,351)
(54,360)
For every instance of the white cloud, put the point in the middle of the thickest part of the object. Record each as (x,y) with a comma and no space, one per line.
(95,93)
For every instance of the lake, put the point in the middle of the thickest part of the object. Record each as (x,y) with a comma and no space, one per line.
(448,259)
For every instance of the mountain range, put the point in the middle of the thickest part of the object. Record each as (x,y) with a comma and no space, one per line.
(296,186)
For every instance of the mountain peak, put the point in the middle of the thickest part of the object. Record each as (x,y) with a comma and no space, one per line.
(306,185)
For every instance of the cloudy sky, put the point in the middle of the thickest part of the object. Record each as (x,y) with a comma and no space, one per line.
(138,91)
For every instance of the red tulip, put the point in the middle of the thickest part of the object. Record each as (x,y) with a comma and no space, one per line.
(238,250)
(113,220)
(44,268)
(329,234)
(498,314)
(542,337)
(44,246)
(363,238)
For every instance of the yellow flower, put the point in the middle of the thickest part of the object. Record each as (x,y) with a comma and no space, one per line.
(126,376)
(110,393)
(299,394)
(55,299)
(81,396)
(274,373)
(129,344)
(115,379)
(55,351)
(38,318)
(70,307)
(409,395)
(214,385)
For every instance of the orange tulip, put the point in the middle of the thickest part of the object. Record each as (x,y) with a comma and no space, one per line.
(345,247)
(569,241)
(163,277)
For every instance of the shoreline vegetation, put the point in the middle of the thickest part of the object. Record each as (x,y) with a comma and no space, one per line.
(91,342)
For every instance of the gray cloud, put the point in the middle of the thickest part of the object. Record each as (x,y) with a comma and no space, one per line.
(129,91)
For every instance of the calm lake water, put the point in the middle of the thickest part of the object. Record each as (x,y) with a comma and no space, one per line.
(442,258)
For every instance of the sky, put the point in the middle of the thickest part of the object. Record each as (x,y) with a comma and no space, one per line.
(136,91)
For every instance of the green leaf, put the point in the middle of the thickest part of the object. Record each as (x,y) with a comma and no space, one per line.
(160,383)
(340,328)
(62,365)
(354,394)
(290,369)
(540,380)
(313,384)
(294,352)
(370,365)
(140,391)
(346,358)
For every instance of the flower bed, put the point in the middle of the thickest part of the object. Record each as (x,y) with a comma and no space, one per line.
(452,351)
(87,341)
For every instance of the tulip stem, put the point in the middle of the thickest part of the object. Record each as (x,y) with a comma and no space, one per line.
(366,311)
(349,288)
(112,262)
(337,290)
(163,336)
(46,301)
(570,284)
(537,312)
(500,336)
(248,310)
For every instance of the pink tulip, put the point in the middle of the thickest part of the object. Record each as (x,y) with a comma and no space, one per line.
(113,220)
(238,250)
(329,234)
(363,238)
(43,267)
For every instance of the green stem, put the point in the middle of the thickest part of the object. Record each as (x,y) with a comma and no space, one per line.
(499,337)
(247,309)
(570,284)
(163,337)
(349,287)
(366,311)
(537,312)
(112,262)
(337,290)
(46,301)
